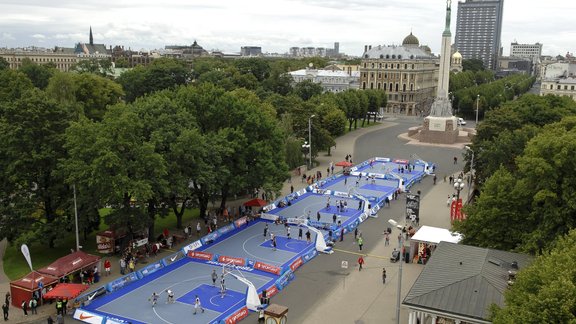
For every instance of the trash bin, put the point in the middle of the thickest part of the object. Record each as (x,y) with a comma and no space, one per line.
(407,257)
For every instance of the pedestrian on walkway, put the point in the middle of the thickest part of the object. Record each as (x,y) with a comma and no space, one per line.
(360,242)
(356,234)
(383,275)
(49,320)
(342,234)
(300,233)
(334,218)
(122,266)
(197,305)
(32,305)
(434,179)
(265,231)
(318,215)
(8,299)
(25,307)
(291,189)
(5,309)
(198,228)
(448,201)
(386,238)
(360,263)
(308,237)
(214,277)
(107,267)
(455,160)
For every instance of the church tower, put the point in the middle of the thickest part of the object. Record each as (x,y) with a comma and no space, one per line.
(91,38)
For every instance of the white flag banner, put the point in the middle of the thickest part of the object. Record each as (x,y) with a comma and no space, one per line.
(26,253)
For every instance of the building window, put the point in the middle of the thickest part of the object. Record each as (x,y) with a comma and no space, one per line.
(372,65)
(406,66)
(381,56)
(364,85)
(371,85)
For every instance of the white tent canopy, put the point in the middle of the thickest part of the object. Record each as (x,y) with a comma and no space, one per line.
(435,235)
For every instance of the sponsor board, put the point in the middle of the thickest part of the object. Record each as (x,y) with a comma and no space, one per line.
(192,246)
(301,192)
(272,291)
(113,320)
(210,238)
(228,259)
(241,221)
(201,255)
(238,316)
(398,161)
(363,217)
(284,279)
(150,269)
(382,159)
(226,229)
(88,317)
(296,264)
(121,282)
(267,268)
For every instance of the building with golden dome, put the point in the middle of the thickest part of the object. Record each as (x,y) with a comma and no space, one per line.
(456,64)
(408,74)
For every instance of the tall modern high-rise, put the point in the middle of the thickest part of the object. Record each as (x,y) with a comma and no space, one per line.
(479,29)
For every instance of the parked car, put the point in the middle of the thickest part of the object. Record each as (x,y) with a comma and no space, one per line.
(461,122)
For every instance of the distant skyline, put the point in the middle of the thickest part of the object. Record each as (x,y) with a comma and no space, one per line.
(274,25)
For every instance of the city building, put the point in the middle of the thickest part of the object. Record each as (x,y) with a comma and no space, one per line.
(332,78)
(460,283)
(92,50)
(315,51)
(408,74)
(531,51)
(251,51)
(62,58)
(187,52)
(456,64)
(508,65)
(128,58)
(559,79)
(479,29)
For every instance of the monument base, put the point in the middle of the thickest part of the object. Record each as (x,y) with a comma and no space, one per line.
(439,130)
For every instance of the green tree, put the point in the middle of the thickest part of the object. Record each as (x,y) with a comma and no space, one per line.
(544,292)
(13,85)
(31,144)
(159,75)
(258,67)
(37,73)
(4,65)
(102,67)
(472,65)
(307,89)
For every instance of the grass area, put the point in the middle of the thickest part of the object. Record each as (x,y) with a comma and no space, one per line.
(15,265)
(369,123)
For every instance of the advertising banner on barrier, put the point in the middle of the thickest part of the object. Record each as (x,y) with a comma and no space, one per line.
(238,316)
(201,255)
(401,161)
(362,217)
(296,264)
(267,267)
(88,317)
(341,194)
(151,268)
(208,239)
(235,261)
(309,255)
(112,320)
(226,229)
(301,192)
(284,279)
(382,159)
(271,292)
(192,246)
(121,282)
(241,221)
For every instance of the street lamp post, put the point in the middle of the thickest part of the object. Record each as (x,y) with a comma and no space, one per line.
(310,142)
(477,106)
(401,247)
(76,219)
(458,186)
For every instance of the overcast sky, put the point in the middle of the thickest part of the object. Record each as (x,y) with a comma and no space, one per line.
(274,25)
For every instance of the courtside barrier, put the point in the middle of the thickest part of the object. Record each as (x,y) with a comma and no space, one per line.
(237,316)
(230,259)
(241,222)
(296,264)
(225,229)
(150,269)
(88,317)
(309,255)
(191,247)
(122,281)
(267,267)
(284,279)
(210,238)
(201,255)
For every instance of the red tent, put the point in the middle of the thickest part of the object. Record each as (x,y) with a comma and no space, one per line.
(23,288)
(70,263)
(257,202)
(344,164)
(66,291)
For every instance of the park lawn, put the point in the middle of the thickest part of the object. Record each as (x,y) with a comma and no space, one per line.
(369,123)
(15,266)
